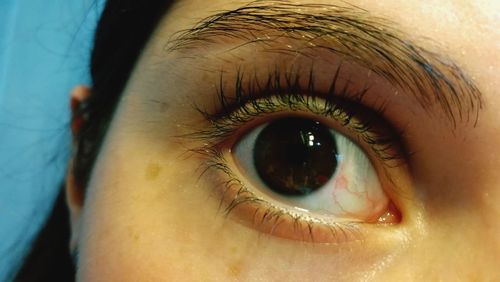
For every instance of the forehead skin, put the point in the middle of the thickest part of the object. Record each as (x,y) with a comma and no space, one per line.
(145,218)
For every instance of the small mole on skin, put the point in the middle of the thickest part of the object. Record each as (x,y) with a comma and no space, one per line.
(152,171)
(162,106)
(134,235)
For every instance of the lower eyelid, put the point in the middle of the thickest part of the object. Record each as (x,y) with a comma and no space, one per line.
(269,220)
(248,209)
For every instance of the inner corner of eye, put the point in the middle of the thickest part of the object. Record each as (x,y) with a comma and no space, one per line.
(302,165)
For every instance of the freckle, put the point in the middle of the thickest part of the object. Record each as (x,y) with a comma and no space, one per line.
(234,269)
(152,171)
(233,250)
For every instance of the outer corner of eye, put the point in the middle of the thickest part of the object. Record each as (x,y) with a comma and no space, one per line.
(300,164)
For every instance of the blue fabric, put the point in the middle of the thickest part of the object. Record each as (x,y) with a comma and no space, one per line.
(44,49)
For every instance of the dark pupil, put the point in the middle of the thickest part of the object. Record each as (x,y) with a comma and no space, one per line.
(295,156)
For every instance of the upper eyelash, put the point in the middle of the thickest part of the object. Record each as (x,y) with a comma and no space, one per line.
(254,100)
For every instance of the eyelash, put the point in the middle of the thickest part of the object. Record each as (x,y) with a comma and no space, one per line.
(250,101)
(255,101)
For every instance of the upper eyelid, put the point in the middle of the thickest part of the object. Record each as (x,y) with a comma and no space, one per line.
(248,99)
(427,76)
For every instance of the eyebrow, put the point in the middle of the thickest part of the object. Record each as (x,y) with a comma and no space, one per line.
(352,32)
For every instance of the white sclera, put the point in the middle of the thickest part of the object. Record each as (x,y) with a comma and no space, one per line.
(353,192)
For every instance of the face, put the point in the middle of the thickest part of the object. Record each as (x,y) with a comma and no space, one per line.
(323,140)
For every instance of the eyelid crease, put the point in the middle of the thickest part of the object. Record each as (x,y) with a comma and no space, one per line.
(351,32)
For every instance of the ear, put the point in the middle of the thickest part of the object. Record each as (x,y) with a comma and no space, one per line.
(74,190)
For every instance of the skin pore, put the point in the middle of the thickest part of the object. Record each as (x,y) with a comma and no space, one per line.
(155,208)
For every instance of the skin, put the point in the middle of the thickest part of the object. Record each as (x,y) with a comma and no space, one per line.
(148,216)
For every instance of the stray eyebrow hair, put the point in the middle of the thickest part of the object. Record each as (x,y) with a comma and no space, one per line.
(350,32)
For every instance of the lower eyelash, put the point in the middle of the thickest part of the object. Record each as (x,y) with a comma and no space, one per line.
(267,217)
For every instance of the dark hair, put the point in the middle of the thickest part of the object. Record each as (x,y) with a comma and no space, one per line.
(120,36)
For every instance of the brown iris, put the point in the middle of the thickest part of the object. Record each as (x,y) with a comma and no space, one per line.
(295,156)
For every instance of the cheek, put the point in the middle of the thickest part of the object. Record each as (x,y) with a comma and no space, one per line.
(138,217)
(151,218)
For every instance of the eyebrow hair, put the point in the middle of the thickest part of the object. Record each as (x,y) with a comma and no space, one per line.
(349,31)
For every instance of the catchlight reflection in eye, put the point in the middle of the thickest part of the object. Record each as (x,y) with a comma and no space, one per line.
(302,164)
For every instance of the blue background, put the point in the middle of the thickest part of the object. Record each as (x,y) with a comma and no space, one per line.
(44,51)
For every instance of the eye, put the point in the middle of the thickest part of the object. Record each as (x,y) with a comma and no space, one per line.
(302,164)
